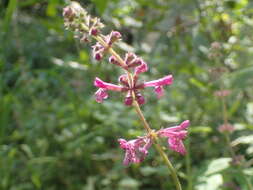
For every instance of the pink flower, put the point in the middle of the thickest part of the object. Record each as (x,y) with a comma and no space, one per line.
(159,83)
(175,136)
(134,89)
(135,150)
(108,86)
(222,93)
(143,67)
(226,128)
(101,93)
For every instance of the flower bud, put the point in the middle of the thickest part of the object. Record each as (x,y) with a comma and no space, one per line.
(128,99)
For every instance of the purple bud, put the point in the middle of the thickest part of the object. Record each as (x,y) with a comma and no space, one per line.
(140,98)
(113,37)
(98,56)
(123,80)
(113,60)
(128,99)
(93,31)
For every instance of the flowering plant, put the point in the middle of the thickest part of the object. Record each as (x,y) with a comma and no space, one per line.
(88,28)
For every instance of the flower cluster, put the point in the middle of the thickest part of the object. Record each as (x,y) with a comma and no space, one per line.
(226,128)
(132,92)
(137,149)
(99,50)
(78,20)
(86,28)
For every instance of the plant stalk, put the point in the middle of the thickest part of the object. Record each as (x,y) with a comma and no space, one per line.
(141,116)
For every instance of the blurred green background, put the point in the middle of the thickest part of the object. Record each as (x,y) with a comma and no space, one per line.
(54,136)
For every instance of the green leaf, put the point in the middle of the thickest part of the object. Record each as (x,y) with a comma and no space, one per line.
(100,5)
(200,129)
(12,5)
(242,78)
(128,183)
(243,140)
(36,180)
(147,171)
(210,183)
(217,165)
(52,8)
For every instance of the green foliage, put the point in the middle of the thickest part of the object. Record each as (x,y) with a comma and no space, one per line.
(53,135)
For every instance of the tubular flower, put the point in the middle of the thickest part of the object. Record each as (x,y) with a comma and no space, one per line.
(135,150)
(101,93)
(108,86)
(133,90)
(159,83)
(175,136)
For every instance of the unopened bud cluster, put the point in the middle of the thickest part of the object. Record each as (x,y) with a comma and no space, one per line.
(78,20)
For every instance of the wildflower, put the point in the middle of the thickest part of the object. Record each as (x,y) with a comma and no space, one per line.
(135,150)
(226,128)
(159,83)
(133,90)
(175,136)
(222,93)
(101,93)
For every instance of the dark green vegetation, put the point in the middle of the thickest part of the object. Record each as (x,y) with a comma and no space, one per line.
(54,136)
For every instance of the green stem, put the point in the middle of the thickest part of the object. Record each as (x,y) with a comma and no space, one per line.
(230,148)
(188,166)
(158,147)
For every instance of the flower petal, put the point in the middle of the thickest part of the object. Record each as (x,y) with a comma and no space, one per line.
(135,150)
(159,91)
(108,86)
(177,145)
(100,95)
(141,68)
(167,80)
